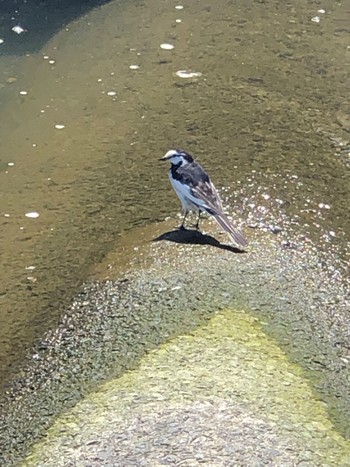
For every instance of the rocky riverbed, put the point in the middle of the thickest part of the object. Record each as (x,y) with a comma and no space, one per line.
(190,353)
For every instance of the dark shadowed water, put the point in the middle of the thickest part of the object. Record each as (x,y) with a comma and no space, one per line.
(40,20)
(86,114)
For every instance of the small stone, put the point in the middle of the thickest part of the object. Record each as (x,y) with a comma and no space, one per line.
(188,74)
(275,229)
(18,29)
(166,46)
(32,214)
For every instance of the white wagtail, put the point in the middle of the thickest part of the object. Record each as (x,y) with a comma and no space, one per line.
(197,192)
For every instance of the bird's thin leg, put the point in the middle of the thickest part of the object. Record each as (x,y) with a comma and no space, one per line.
(182,226)
(198,220)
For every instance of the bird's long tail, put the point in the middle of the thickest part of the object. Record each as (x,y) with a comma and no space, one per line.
(226,225)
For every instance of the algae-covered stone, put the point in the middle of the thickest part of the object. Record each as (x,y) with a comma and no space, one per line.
(183,404)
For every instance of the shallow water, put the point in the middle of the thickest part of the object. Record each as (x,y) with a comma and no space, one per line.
(269,113)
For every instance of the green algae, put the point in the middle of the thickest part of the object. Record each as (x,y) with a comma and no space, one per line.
(230,359)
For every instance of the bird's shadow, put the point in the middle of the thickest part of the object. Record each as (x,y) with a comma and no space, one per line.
(194,237)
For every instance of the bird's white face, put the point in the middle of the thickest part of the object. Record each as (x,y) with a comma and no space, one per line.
(176,156)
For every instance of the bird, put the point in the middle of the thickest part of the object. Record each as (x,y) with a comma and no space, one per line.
(197,192)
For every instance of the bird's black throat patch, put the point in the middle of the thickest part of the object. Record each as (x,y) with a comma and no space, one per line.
(189,174)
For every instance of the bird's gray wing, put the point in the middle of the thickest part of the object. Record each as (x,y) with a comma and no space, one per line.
(211,202)
(202,192)
(208,195)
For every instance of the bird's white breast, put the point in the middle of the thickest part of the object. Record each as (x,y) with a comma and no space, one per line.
(183,192)
(187,199)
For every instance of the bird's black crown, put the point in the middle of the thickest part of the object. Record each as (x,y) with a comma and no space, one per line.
(185,155)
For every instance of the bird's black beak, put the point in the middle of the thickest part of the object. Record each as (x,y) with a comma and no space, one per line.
(164,158)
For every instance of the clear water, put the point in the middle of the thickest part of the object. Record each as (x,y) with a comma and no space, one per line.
(269,114)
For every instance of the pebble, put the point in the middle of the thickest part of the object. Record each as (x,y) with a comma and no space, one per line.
(59,126)
(275,229)
(188,74)
(32,215)
(166,46)
(18,29)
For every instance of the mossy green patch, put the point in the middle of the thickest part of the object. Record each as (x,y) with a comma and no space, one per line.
(230,360)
